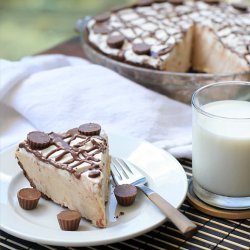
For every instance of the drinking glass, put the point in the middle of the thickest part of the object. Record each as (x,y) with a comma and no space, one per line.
(221,144)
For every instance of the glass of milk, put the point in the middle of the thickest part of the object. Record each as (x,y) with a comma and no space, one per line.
(221,144)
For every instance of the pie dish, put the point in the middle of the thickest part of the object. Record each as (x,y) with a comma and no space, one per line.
(177,85)
(176,35)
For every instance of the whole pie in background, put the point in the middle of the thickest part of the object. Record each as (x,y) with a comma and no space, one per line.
(176,35)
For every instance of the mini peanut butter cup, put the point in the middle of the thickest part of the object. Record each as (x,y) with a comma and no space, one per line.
(101,29)
(38,140)
(144,2)
(102,17)
(115,41)
(90,129)
(125,194)
(119,8)
(160,1)
(141,49)
(28,198)
(212,1)
(69,220)
(176,2)
(240,6)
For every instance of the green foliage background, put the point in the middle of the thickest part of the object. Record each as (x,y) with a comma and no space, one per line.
(30,26)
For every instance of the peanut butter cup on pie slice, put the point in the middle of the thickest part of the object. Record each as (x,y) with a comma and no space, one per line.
(176,2)
(115,41)
(102,17)
(240,6)
(38,140)
(141,49)
(101,29)
(144,2)
(90,129)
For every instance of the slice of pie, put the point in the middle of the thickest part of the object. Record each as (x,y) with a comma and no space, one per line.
(72,169)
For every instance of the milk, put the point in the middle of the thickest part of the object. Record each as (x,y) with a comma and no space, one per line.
(221,148)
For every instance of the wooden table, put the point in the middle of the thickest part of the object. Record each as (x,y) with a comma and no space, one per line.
(70,47)
(213,233)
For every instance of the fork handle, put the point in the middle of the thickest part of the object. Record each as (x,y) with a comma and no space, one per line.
(186,226)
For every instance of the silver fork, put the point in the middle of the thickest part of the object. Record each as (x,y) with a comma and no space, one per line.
(126,173)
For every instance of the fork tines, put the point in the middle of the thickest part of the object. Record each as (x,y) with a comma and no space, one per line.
(124,172)
(123,167)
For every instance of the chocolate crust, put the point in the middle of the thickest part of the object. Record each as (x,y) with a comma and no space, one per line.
(32,184)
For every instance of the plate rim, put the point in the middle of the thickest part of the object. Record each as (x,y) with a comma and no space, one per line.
(80,241)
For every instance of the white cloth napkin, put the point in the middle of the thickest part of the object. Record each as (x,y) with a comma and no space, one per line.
(56,93)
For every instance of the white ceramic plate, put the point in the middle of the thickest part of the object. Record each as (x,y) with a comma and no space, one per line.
(165,175)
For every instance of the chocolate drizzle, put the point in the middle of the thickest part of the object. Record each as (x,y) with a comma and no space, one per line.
(162,24)
(79,151)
